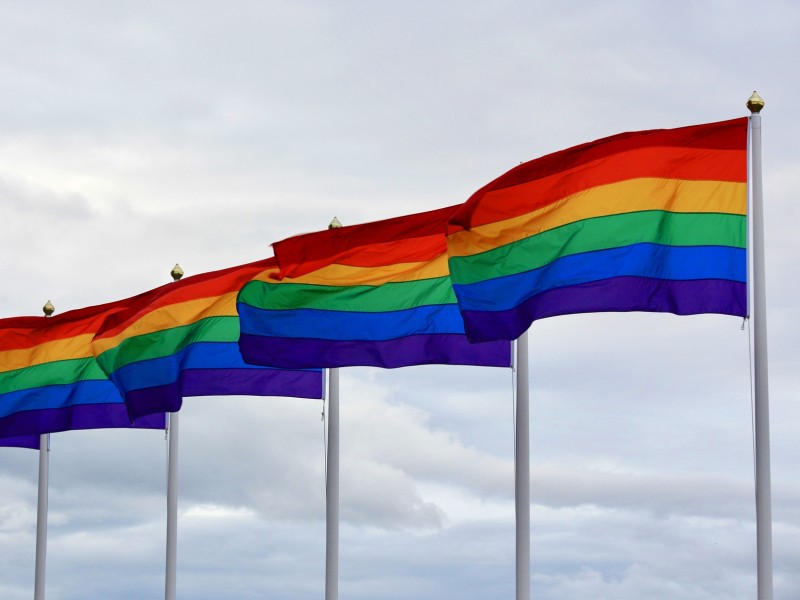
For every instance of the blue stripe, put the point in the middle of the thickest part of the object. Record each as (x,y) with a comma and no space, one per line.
(677,263)
(342,325)
(165,370)
(59,396)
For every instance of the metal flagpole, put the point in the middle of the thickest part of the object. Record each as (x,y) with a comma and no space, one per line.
(332,481)
(41,501)
(170,580)
(170,585)
(761,401)
(522,480)
(41,516)
(332,491)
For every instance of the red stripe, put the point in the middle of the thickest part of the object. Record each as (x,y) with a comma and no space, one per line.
(206,285)
(27,332)
(712,152)
(17,333)
(411,238)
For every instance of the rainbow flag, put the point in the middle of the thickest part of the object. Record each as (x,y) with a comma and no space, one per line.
(376,294)
(645,221)
(181,340)
(50,381)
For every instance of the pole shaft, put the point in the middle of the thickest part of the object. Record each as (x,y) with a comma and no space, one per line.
(332,491)
(760,369)
(41,516)
(170,581)
(332,481)
(522,481)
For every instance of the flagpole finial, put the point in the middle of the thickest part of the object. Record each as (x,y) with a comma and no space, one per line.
(335,224)
(755,103)
(48,309)
(176,272)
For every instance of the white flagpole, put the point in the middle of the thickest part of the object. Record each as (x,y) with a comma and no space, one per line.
(41,501)
(332,480)
(522,480)
(41,516)
(761,401)
(170,579)
(332,491)
(170,585)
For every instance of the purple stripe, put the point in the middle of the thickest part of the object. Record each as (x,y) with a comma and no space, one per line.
(146,401)
(303,353)
(620,294)
(252,382)
(21,441)
(82,416)
(224,382)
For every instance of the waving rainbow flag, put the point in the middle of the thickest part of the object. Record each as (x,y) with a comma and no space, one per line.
(376,294)
(50,381)
(646,221)
(181,340)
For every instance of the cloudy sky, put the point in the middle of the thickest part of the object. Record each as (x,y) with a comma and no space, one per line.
(134,135)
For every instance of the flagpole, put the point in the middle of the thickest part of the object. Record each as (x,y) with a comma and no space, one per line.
(761,376)
(170,585)
(170,579)
(522,481)
(42,499)
(332,491)
(332,480)
(41,516)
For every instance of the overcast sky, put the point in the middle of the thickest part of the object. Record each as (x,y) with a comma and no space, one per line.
(134,135)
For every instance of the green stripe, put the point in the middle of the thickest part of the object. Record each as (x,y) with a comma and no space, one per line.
(601,233)
(349,298)
(169,341)
(57,372)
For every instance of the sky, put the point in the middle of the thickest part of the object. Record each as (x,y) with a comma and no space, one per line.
(134,135)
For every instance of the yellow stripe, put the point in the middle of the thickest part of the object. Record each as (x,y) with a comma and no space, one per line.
(64,349)
(174,315)
(626,196)
(344,275)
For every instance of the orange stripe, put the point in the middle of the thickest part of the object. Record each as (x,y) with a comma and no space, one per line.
(167,317)
(346,275)
(657,163)
(618,198)
(206,286)
(65,349)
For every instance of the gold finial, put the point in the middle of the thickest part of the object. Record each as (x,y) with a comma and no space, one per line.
(176,272)
(48,309)
(335,224)
(755,103)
